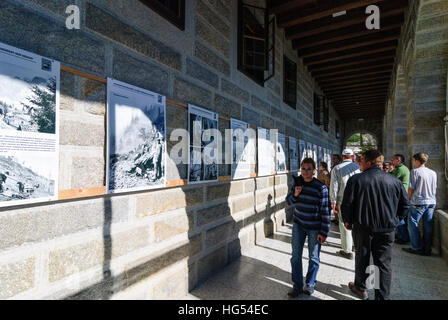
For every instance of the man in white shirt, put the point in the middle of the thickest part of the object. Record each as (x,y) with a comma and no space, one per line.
(339,177)
(422,194)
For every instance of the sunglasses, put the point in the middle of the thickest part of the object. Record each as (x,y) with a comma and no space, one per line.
(306,169)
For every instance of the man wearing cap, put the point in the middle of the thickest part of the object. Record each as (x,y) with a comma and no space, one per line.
(339,177)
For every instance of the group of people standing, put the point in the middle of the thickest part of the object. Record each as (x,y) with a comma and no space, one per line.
(374,208)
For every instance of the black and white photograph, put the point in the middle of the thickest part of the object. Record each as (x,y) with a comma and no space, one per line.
(27,176)
(293,155)
(314,153)
(281,154)
(302,148)
(328,157)
(243,145)
(29,135)
(320,156)
(203,155)
(136,138)
(265,153)
(309,150)
(28,90)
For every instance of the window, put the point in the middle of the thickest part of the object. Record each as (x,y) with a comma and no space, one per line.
(337,132)
(289,82)
(256,41)
(326,114)
(321,111)
(318,109)
(172,10)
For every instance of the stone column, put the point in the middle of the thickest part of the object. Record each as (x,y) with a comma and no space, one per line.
(429,80)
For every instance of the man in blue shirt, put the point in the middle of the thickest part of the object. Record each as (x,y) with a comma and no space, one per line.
(312,220)
(422,193)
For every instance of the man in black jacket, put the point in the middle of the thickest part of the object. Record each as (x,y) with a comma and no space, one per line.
(373,204)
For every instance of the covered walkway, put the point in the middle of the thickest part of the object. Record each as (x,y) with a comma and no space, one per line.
(263,273)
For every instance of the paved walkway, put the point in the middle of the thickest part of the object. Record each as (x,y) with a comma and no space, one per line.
(264,274)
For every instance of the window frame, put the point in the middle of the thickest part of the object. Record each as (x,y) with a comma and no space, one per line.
(163,11)
(266,38)
(286,64)
(316,110)
(326,120)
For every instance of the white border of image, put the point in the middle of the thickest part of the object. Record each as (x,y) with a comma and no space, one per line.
(207,114)
(110,82)
(56,69)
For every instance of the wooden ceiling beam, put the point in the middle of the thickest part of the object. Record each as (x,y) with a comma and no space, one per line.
(355,75)
(290,5)
(337,84)
(347,47)
(325,12)
(358,95)
(300,32)
(360,101)
(363,115)
(365,108)
(381,94)
(388,57)
(359,85)
(362,112)
(367,88)
(342,111)
(383,66)
(340,35)
(351,55)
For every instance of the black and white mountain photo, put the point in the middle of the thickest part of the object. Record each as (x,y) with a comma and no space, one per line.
(137,139)
(281,154)
(27,99)
(202,165)
(28,176)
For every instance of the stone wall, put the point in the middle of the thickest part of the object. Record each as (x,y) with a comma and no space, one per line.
(417,94)
(440,235)
(156,244)
(373,126)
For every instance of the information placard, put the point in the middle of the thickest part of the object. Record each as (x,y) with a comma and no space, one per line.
(281,153)
(201,168)
(266,155)
(136,138)
(29,127)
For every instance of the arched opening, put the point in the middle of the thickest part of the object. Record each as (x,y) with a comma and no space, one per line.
(361,141)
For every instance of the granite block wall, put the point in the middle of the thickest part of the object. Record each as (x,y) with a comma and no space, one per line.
(417,95)
(156,244)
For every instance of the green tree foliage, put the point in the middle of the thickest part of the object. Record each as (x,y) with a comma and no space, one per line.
(368,142)
(43,103)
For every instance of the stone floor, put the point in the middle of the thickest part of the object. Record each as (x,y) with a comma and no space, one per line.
(264,274)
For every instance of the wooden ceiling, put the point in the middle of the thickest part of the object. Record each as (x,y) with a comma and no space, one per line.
(353,65)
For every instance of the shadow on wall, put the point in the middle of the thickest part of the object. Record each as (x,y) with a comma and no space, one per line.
(215,213)
(161,260)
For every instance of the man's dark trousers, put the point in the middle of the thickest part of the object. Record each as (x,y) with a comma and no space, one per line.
(380,246)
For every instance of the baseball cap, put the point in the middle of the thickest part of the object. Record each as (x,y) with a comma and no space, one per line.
(347,152)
